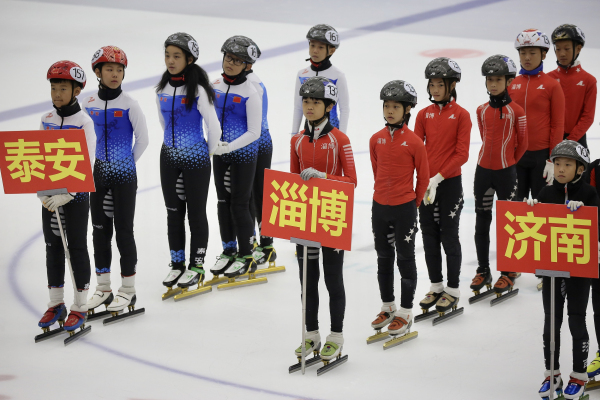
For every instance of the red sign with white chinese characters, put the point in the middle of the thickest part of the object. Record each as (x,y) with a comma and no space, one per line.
(547,236)
(319,210)
(32,161)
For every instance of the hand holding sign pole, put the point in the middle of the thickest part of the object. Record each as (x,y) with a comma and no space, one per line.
(312,213)
(548,240)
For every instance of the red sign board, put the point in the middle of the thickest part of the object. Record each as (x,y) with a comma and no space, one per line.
(319,210)
(32,161)
(547,236)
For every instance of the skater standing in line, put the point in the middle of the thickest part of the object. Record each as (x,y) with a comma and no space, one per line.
(264,252)
(118,121)
(445,127)
(570,160)
(503,129)
(322,151)
(323,41)
(185,99)
(396,152)
(579,87)
(67,79)
(239,109)
(543,101)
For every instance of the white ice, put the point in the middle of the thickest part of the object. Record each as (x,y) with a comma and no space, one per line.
(239,343)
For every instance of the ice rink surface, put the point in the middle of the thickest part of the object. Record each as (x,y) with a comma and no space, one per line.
(239,343)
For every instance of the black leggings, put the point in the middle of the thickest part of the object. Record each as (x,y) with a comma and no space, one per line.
(396,226)
(234,188)
(185,188)
(576,291)
(108,205)
(530,172)
(439,225)
(333,264)
(74,217)
(503,183)
(263,162)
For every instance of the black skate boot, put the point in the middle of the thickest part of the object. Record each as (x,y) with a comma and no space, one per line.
(177,269)
(193,276)
(429,301)
(481,279)
(264,254)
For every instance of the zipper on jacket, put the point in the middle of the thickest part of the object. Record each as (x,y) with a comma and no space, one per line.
(105,131)
(526,90)
(173,117)
(223,112)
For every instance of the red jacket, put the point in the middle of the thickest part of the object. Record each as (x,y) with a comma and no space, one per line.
(331,153)
(394,157)
(544,103)
(504,140)
(579,88)
(447,134)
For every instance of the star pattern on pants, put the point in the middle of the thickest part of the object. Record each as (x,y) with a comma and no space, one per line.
(407,238)
(452,214)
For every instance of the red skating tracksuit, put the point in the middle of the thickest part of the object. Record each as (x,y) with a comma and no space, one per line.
(544,103)
(446,132)
(394,158)
(579,88)
(504,140)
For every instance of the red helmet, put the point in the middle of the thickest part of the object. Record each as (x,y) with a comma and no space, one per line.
(67,70)
(111,54)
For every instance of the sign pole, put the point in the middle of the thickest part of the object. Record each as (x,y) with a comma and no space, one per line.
(552,275)
(305,244)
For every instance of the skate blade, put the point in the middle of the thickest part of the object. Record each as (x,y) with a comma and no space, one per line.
(76,336)
(448,315)
(540,286)
(98,315)
(270,270)
(504,297)
(124,316)
(399,340)
(592,385)
(480,296)
(49,335)
(234,284)
(427,315)
(309,362)
(216,281)
(171,292)
(332,365)
(191,293)
(377,337)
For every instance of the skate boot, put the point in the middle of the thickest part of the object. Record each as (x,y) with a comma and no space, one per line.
(446,302)
(545,389)
(576,386)
(429,301)
(121,301)
(191,277)
(177,269)
(102,295)
(383,319)
(594,368)
(333,347)
(223,263)
(481,279)
(52,315)
(505,284)
(241,266)
(400,328)
(75,320)
(312,344)
(125,298)
(264,254)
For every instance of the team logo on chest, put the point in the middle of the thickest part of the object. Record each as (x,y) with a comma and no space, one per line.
(516,86)
(326,146)
(429,115)
(381,141)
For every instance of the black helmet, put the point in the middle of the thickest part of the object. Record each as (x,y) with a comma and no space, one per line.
(242,47)
(325,34)
(568,32)
(185,42)
(319,87)
(499,65)
(399,91)
(571,149)
(444,68)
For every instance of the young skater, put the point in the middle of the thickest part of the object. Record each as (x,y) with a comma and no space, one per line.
(67,79)
(396,152)
(543,101)
(239,109)
(312,159)
(185,99)
(323,41)
(119,121)
(570,160)
(579,87)
(264,252)
(445,127)
(503,129)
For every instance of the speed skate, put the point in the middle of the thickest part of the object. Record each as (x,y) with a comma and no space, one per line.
(122,301)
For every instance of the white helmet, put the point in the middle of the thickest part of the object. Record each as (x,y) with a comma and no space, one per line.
(532,38)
